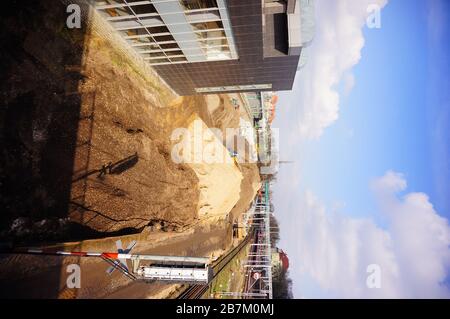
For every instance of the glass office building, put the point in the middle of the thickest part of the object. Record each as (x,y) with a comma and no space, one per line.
(173,31)
(213,46)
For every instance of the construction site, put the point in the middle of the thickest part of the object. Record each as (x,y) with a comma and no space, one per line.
(88,176)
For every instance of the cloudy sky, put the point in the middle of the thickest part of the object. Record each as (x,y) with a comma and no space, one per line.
(367,125)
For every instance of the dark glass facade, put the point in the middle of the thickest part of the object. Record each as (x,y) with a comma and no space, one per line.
(259,64)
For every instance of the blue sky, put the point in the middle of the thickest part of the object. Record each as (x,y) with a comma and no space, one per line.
(395,117)
(383,122)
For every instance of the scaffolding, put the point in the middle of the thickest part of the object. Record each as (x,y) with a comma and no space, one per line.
(258,265)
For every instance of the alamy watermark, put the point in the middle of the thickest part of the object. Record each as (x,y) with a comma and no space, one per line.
(373,280)
(200,144)
(373,20)
(73,280)
(74,19)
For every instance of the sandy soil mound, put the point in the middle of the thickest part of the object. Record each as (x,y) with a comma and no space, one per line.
(249,188)
(219,177)
(126,126)
(224,116)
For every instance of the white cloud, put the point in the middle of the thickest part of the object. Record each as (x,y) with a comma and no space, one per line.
(335,50)
(332,251)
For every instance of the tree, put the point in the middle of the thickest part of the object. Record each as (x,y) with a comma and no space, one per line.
(282,286)
(274,231)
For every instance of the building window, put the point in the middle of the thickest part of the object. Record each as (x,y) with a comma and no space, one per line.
(143,8)
(198,4)
(204,35)
(217,89)
(205,26)
(108,2)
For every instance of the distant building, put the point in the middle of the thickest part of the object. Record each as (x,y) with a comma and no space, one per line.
(211,46)
(280,261)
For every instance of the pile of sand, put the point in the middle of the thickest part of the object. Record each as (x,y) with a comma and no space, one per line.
(224,116)
(213,101)
(219,177)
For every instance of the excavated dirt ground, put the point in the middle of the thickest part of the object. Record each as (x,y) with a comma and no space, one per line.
(84,139)
(72,105)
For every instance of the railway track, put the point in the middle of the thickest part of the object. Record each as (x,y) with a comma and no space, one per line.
(197,291)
